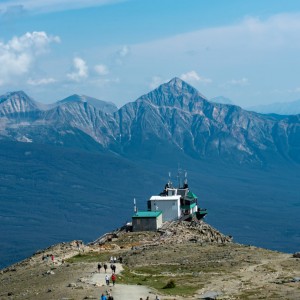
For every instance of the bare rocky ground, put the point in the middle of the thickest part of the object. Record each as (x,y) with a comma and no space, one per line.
(197,258)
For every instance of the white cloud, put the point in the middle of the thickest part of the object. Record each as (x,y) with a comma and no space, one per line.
(101,69)
(192,76)
(36,41)
(18,55)
(80,70)
(41,81)
(239,82)
(39,6)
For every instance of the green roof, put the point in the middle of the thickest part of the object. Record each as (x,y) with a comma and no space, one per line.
(147,214)
(191,195)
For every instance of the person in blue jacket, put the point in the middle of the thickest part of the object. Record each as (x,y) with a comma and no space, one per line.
(103,297)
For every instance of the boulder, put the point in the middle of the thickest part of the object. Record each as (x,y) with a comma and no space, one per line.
(210,295)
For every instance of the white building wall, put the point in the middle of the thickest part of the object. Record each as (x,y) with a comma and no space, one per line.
(170,207)
(159,221)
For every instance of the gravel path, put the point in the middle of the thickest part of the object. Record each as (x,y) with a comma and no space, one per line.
(121,291)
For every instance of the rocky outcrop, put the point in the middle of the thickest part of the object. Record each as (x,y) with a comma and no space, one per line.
(197,232)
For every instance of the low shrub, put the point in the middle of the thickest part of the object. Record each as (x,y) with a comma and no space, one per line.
(170,284)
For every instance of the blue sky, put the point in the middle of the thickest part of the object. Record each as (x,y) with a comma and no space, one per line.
(116,51)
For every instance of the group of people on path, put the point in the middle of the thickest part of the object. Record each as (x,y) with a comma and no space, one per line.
(113,279)
(112,267)
(113,276)
(47,257)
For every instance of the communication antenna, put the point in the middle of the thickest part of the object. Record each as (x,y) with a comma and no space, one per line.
(134,206)
(169,182)
(178,176)
(185,177)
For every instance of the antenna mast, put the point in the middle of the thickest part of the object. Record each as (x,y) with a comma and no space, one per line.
(169,182)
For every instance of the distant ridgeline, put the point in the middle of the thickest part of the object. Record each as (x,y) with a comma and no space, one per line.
(173,116)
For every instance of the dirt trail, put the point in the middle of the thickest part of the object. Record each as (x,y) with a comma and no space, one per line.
(120,291)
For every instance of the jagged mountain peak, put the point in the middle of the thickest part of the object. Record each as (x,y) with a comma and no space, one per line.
(15,95)
(176,82)
(17,102)
(180,86)
(176,93)
(105,106)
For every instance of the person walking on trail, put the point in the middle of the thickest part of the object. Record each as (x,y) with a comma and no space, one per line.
(114,268)
(78,245)
(107,279)
(113,278)
(103,297)
(99,267)
(105,267)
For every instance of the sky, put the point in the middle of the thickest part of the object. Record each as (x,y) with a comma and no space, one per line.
(118,50)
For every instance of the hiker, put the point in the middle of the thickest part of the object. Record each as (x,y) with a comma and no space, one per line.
(114,268)
(120,259)
(52,258)
(103,297)
(99,267)
(113,278)
(111,260)
(115,260)
(107,279)
(156,297)
(105,267)
(110,297)
(78,246)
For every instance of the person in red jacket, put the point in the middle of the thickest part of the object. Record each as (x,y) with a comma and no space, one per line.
(113,278)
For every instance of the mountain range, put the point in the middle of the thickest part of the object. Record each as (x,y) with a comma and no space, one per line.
(70,170)
(174,115)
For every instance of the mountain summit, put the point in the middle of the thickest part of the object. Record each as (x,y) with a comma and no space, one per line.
(175,93)
(16,103)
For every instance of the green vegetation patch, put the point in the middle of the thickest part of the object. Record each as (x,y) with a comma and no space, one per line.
(152,277)
(91,257)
